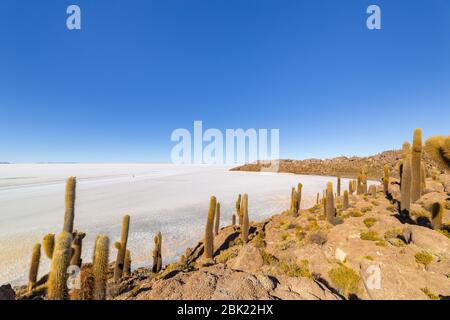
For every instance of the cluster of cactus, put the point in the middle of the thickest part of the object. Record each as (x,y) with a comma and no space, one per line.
(121,249)
(296,200)
(412,173)
(157,253)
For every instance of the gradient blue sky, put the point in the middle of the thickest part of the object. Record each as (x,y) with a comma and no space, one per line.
(114,91)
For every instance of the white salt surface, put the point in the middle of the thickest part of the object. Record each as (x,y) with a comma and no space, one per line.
(159,197)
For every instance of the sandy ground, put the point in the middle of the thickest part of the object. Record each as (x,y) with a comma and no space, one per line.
(167,198)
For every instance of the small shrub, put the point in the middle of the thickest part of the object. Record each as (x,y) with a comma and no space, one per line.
(268,258)
(370,258)
(355,213)
(369,235)
(259,239)
(284,236)
(424,258)
(226,255)
(236,242)
(366,209)
(445,233)
(292,269)
(375,203)
(345,279)
(369,222)
(381,243)
(317,238)
(391,208)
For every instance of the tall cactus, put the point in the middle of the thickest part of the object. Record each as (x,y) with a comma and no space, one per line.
(57,279)
(338,186)
(217,221)
(238,209)
(330,209)
(299,197)
(48,244)
(423,178)
(233,220)
(245,219)
(359,185)
(69,214)
(100,267)
(416,166)
(345,201)
(34,266)
(294,202)
(317,198)
(386,179)
(437,212)
(157,253)
(209,234)
(77,246)
(405,201)
(122,248)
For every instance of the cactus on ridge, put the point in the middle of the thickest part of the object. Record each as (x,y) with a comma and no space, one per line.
(238,209)
(69,214)
(330,209)
(405,192)
(233,220)
(245,220)
(209,234)
(217,220)
(386,179)
(127,264)
(57,279)
(157,253)
(338,186)
(118,266)
(299,197)
(345,201)
(34,267)
(100,267)
(416,166)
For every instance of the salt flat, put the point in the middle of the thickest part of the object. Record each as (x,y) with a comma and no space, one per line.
(159,197)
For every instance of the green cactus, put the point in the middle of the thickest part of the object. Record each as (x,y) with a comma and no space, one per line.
(118,267)
(317,198)
(34,267)
(416,160)
(345,201)
(77,246)
(245,219)
(405,202)
(217,221)
(57,279)
(233,220)
(100,267)
(338,186)
(437,212)
(359,185)
(294,202)
(69,214)
(386,179)
(157,253)
(329,204)
(48,244)
(209,234)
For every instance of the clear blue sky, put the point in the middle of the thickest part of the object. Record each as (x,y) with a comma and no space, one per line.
(138,69)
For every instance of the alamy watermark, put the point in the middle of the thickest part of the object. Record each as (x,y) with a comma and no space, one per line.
(234,146)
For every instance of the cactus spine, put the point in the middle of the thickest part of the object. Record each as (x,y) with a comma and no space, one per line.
(386,179)
(245,220)
(345,201)
(416,166)
(209,235)
(57,279)
(157,253)
(48,244)
(77,245)
(405,201)
(217,222)
(437,211)
(100,267)
(329,204)
(338,186)
(118,267)
(34,266)
(69,214)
